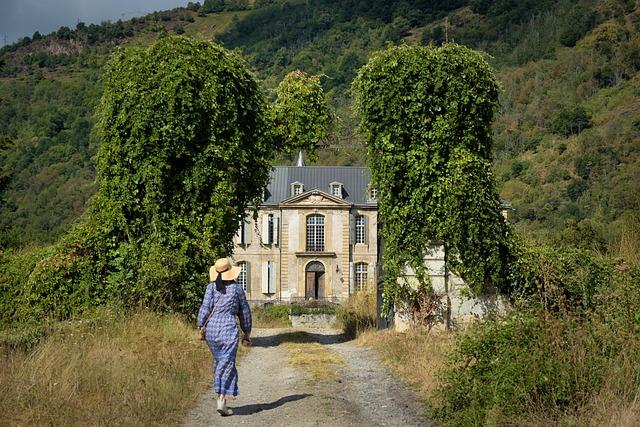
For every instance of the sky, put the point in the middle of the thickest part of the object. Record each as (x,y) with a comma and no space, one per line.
(19,18)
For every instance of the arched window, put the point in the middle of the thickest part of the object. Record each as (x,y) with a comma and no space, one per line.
(243,278)
(315,233)
(361,276)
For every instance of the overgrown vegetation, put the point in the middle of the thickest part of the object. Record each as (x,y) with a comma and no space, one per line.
(426,119)
(105,369)
(359,314)
(186,140)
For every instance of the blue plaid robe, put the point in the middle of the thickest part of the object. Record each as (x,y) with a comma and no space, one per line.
(222,333)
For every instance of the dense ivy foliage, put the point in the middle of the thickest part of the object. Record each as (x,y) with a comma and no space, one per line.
(426,116)
(185,149)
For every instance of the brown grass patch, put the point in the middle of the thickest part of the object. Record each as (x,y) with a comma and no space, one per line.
(417,355)
(319,363)
(122,370)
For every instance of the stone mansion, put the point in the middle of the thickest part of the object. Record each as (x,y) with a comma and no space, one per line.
(315,236)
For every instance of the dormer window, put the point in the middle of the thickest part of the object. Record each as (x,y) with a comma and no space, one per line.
(297,188)
(373,193)
(336,189)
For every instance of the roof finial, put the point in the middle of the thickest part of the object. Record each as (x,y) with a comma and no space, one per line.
(300,159)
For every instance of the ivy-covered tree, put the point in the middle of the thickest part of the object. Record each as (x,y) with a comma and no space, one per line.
(301,116)
(426,117)
(185,148)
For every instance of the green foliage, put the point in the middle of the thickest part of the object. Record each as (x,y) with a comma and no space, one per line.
(183,153)
(426,116)
(301,114)
(271,316)
(571,121)
(574,335)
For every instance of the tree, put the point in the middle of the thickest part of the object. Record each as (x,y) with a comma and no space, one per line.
(300,114)
(184,151)
(426,116)
(571,121)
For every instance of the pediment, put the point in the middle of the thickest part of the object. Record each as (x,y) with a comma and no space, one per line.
(315,198)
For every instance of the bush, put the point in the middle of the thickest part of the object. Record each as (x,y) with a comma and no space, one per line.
(359,314)
(549,360)
(271,316)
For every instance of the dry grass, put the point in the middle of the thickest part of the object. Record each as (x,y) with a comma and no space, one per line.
(629,244)
(136,370)
(359,314)
(320,363)
(417,355)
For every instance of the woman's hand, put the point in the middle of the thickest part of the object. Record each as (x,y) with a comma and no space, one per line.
(246,340)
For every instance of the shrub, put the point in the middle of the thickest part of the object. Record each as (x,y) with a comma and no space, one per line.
(271,316)
(547,361)
(359,314)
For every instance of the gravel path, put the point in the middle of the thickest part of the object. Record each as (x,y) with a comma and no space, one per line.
(272,393)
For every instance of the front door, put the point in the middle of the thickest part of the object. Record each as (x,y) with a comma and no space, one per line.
(314,280)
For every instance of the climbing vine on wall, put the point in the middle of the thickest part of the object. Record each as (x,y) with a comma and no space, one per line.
(426,116)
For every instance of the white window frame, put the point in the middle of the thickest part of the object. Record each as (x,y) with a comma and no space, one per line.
(361,276)
(336,189)
(361,229)
(373,193)
(297,188)
(243,278)
(315,233)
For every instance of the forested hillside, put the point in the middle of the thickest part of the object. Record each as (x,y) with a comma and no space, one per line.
(567,139)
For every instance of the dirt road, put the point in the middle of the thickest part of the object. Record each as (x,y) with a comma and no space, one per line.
(359,392)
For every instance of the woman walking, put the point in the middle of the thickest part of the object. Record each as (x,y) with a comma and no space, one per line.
(223,300)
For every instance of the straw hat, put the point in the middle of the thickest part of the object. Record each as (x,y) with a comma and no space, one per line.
(224,267)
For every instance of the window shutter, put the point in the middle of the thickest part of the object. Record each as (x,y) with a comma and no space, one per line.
(366,229)
(272,278)
(246,238)
(238,237)
(265,277)
(352,229)
(265,229)
(351,279)
(276,231)
(248,266)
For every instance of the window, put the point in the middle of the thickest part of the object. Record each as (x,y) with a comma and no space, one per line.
(268,278)
(270,229)
(243,278)
(297,188)
(336,189)
(361,229)
(315,233)
(361,276)
(373,194)
(244,233)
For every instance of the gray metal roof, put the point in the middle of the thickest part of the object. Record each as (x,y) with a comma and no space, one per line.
(355,182)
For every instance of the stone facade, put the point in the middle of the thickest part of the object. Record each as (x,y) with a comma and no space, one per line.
(312,245)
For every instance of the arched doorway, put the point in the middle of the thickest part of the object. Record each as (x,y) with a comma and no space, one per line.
(314,282)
